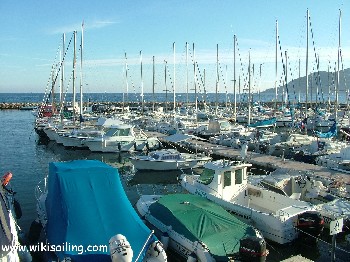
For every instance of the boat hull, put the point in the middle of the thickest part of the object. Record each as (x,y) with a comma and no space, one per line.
(271,226)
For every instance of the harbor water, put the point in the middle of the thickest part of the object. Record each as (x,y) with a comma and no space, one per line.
(28,158)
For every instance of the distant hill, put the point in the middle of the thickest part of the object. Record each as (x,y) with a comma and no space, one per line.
(322,80)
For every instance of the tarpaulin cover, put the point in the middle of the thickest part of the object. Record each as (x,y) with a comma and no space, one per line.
(200,219)
(86,205)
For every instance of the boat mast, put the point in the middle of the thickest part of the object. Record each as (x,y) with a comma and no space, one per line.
(307,63)
(249,91)
(81,73)
(187,75)
(74,62)
(276,65)
(217,80)
(126,81)
(142,103)
(62,67)
(166,86)
(329,90)
(286,79)
(174,81)
(153,84)
(195,84)
(299,83)
(338,69)
(234,78)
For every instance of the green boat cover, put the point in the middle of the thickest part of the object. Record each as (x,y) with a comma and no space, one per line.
(199,219)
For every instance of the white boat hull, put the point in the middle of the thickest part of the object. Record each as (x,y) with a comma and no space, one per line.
(280,229)
(110,146)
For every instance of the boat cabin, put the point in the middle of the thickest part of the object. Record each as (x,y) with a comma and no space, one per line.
(224,177)
(166,155)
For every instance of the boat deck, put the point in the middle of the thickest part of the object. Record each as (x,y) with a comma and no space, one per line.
(261,160)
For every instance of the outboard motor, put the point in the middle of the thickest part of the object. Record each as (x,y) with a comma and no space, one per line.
(120,249)
(253,249)
(311,223)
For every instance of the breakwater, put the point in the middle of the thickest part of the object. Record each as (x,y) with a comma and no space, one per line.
(19,106)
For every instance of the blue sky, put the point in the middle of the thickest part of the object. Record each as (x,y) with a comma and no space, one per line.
(31,37)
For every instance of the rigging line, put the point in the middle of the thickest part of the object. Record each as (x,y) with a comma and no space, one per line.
(132,83)
(65,93)
(292,81)
(284,70)
(222,75)
(344,75)
(318,83)
(197,82)
(59,68)
(47,94)
(204,93)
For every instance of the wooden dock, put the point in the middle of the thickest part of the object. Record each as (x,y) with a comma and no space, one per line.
(260,160)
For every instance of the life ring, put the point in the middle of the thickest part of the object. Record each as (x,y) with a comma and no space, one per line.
(6,179)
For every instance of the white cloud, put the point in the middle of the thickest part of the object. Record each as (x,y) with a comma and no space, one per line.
(95,24)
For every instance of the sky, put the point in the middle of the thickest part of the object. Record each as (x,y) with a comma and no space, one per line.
(121,39)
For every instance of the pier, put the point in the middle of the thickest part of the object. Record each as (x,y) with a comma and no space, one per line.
(260,160)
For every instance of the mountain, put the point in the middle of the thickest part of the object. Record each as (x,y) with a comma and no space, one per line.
(321,80)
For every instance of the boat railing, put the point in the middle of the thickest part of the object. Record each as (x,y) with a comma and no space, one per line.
(41,188)
(144,245)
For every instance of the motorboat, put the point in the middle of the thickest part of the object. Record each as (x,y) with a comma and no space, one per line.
(121,138)
(278,217)
(200,230)
(337,161)
(11,246)
(168,159)
(105,228)
(310,188)
(292,143)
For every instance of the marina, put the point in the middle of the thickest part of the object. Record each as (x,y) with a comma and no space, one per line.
(232,148)
(134,183)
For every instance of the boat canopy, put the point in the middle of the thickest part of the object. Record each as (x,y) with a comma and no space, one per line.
(332,132)
(199,219)
(87,205)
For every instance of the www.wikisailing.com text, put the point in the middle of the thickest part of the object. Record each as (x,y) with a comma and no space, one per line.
(46,247)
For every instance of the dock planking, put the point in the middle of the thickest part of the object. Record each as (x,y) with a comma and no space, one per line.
(257,159)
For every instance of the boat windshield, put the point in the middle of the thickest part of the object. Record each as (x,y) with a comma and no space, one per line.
(118,132)
(207,176)
(171,157)
(225,125)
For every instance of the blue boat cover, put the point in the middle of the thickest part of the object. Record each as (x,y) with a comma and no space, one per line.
(264,122)
(332,132)
(86,205)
